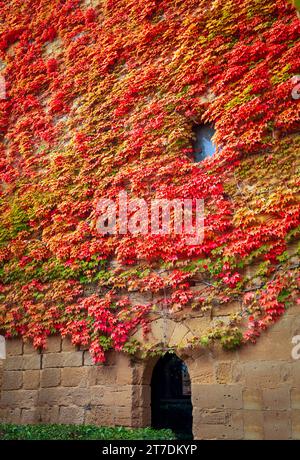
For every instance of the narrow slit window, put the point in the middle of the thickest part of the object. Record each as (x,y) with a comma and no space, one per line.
(203,144)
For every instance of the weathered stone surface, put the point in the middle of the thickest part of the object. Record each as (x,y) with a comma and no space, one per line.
(26,399)
(98,393)
(13,363)
(28,348)
(123,416)
(71,415)
(295,398)
(10,415)
(49,414)
(87,359)
(253,398)
(296,373)
(50,377)
(277,425)
(63,359)
(224,372)
(113,395)
(296,424)
(100,415)
(161,331)
(74,376)
(14,347)
(277,398)
(201,371)
(211,416)
(103,375)
(54,344)
(178,338)
(30,416)
(198,325)
(32,362)
(253,424)
(124,370)
(12,380)
(64,396)
(67,345)
(217,396)
(31,379)
(262,374)
(232,429)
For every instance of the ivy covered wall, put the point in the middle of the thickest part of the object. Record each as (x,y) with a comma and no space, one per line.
(102,96)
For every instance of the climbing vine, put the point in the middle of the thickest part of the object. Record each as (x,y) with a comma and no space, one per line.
(101,96)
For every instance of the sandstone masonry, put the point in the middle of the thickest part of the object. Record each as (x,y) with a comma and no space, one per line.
(252,393)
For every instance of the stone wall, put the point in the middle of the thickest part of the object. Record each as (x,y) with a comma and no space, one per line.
(252,393)
(63,386)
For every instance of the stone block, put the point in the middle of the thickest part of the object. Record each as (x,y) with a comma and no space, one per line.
(49,414)
(72,359)
(261,374)
(71,415)
(50,377)
(87,359)
(296,424)
(233,429)
(295,398)
(114,395)
(13,363)
(30,416)
(202,371)
(32,362)
(63,359)
(64,396)
(12,380)
(217,396)
(28,348)
(99,415)
(19,398)
(296,372)
(98,393)
(141,395)
(31,379)
(273,345)
(67,345)
(210,416)
(103,375)
(224,372)
(74,376)
(123,416)
(53,345)
(277,425)
(10,415)
(178,337)
(253,399)
(14,347)
(124,370)
(277,398)
(253,424)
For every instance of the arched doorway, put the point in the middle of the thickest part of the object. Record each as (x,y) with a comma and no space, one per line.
(171,405)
